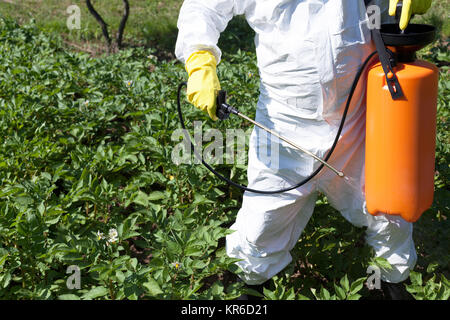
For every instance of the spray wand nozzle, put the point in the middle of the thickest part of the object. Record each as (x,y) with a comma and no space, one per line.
(223,111)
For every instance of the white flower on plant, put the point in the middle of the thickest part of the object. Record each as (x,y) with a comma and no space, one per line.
(100,235)
(86,103)
(129,83)
(113,236)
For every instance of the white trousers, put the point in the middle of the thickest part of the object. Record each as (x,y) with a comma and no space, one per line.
(268,226)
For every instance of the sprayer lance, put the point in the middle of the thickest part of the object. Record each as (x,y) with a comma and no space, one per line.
(224,110)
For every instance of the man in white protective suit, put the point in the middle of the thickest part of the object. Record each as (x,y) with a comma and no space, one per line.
(308,52)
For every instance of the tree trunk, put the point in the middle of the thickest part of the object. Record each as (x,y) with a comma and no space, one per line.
(101,22)
(123,23)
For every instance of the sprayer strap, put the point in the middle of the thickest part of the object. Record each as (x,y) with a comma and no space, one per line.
(388,63)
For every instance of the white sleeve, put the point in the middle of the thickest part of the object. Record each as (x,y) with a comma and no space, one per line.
(200,23)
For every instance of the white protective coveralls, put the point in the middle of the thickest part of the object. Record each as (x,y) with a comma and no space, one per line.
(308,52)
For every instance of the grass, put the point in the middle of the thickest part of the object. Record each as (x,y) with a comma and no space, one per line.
(151,23)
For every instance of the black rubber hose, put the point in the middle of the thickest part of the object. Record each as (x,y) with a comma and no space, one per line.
(315,173)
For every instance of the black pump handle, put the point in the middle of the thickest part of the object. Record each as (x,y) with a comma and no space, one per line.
(223,110)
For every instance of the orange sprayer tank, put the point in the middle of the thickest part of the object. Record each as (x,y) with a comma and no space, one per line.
(401,138)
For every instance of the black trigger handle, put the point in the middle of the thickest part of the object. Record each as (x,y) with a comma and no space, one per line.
(223,110)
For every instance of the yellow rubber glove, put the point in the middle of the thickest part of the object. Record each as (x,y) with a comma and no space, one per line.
(203,83)
(409,8)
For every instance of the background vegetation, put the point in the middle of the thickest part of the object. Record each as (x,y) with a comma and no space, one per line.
(85,152)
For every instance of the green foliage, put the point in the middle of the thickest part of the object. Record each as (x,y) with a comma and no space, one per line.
(86,148)
(86,179)
(343,290)
(429,290)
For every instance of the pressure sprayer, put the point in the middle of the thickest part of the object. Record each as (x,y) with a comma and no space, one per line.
(400,125)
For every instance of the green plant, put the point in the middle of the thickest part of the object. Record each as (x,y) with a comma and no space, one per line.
(343,290)
(430,289)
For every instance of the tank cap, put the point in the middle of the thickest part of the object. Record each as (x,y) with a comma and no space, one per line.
(405,44)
